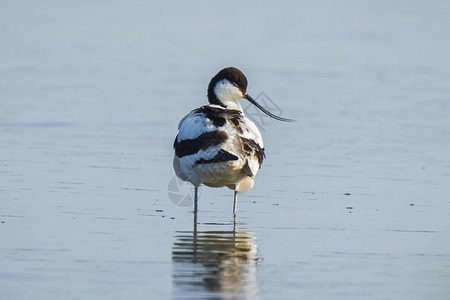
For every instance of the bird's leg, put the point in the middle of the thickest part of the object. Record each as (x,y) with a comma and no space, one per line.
(196,199)
(234,204)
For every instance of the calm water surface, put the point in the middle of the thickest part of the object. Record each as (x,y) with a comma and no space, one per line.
(215,262)
(352,201)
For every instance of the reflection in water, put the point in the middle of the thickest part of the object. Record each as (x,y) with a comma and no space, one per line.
(215,263)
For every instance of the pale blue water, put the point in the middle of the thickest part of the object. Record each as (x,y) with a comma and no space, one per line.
(352,201)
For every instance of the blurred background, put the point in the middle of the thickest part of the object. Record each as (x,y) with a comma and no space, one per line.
(352,200)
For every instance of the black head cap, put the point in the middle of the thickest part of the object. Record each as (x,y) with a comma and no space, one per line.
(233,75)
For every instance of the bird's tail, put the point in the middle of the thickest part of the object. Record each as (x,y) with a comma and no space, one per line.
(244,185)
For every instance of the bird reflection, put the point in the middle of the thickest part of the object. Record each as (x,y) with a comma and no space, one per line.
(215,263)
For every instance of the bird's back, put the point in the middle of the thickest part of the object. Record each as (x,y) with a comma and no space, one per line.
(216,146)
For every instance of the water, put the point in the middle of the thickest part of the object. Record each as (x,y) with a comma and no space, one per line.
(351,202)
(215,263)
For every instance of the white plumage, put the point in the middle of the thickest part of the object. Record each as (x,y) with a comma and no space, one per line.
(220,171)
(216,144)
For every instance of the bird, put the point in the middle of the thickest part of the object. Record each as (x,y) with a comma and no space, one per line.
(216,144)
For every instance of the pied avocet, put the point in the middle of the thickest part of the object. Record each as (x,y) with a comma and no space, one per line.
(216,144)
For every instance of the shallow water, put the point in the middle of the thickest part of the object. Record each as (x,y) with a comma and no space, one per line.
(352,200)
(215,263)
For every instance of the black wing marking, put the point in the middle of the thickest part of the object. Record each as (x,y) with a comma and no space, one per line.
(218,116)
(251,148)
(221,156)
(202,142)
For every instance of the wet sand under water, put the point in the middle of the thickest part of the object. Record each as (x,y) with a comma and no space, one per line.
(352,201)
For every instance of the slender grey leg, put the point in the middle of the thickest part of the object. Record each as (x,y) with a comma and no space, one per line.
(196,199)
(234,204)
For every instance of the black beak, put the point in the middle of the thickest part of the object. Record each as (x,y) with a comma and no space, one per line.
(253,101)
